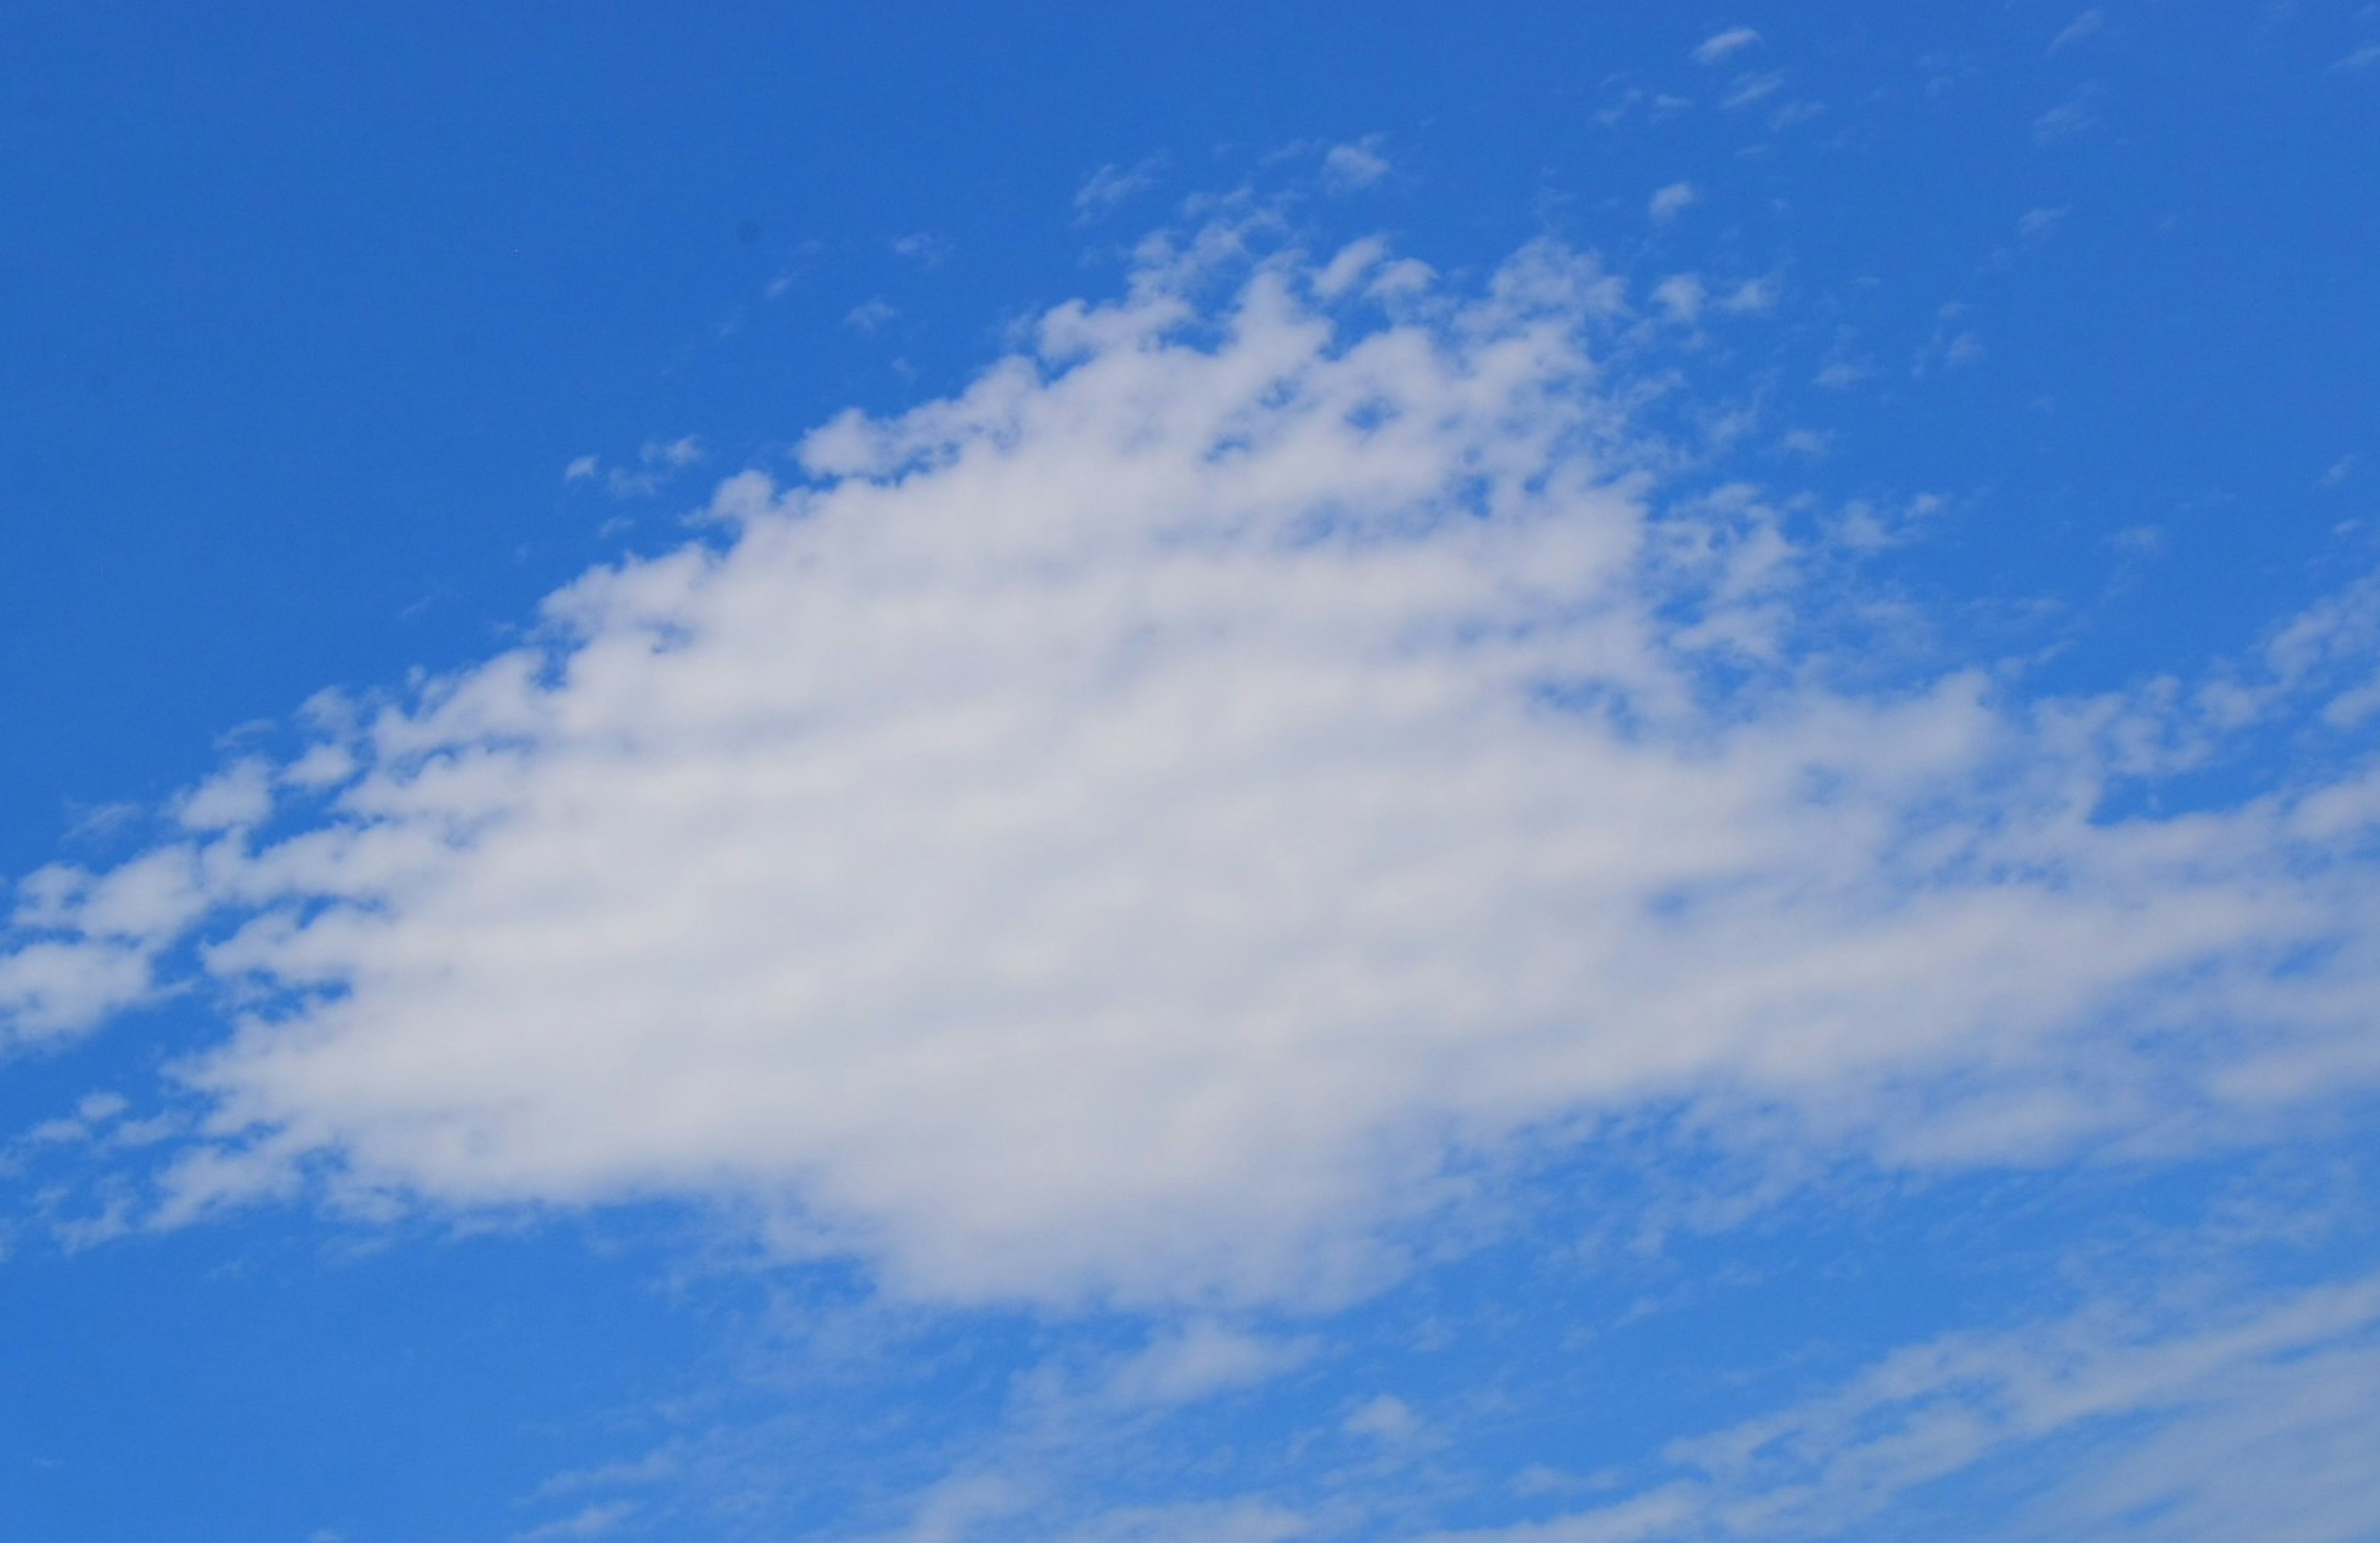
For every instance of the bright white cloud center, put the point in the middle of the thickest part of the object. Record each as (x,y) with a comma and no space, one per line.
(1121,828)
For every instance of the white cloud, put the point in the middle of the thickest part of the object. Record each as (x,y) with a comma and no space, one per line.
(1750,298)
(1681,295)
(238,795)
(656,461)
(2330,649)
(2255,1422)
(870,315)
(684,451)
(1227,1522)
(2086,25)
(1666,203)
(1197,1360)
(599,1520)
(52,987)
(1720,45)
(1110,185)
(1119,831)
(1383,1418)
(1354,260)
(2360,58)
(1749,88)
(1350,166)
(2064,121)
(924,248)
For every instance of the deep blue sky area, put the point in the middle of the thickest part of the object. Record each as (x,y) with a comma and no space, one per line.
(305,308)
(334,338)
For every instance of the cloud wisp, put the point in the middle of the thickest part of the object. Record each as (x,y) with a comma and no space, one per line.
(1723,44)
(1132,830)
(2252,1419)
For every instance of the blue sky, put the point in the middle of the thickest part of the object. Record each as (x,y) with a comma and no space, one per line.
(1289,773)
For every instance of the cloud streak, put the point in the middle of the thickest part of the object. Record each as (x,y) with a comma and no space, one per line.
(2247,1421)
(1723,44)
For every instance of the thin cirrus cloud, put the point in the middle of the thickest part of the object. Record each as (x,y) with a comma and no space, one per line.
(2225,1420)
(1129,830)
(1723,44)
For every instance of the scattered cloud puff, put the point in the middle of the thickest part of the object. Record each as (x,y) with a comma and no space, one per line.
(48,988)
(2035,225)
(1348,167)
(1720,45)
(1384,1417)
(2064,121)
(239,795)
(870,315)
(2362,58)
(1954,344)
(599,1519)
(1749,88)
(1111,186)
(1656,104)
(656,461)
(1751,298)
(1197,1360)
(1669,202)
(1130,829)
(924,248)
(1863,527)
(1680,295)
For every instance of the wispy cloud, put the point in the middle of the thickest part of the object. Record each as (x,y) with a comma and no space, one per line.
(1670,200)
(2086,25)
(2035,225)
(656,463)
(1750,298)
(1681,295)
(1347,167)
(1720,45)
(1749,88)
(2064,121)
(923,247)
(871,315)
(599,1520)
(1112,184)
(1198,1360)
(2213,1424)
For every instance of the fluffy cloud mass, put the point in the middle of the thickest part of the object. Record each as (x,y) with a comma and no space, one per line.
(1131,828)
